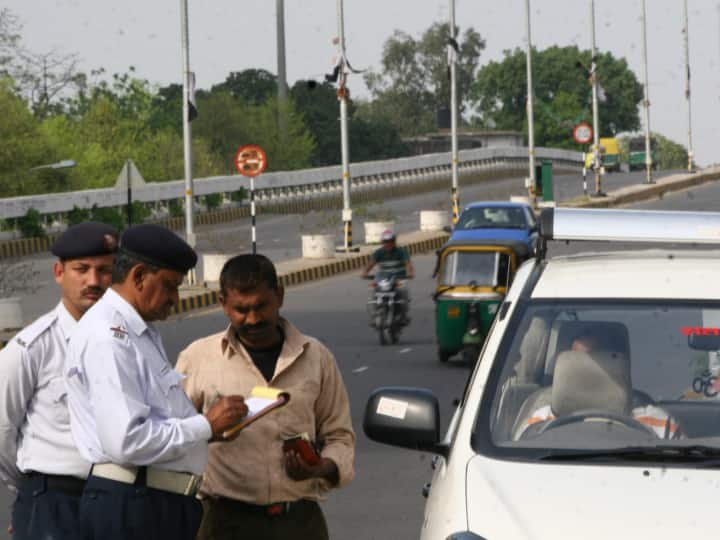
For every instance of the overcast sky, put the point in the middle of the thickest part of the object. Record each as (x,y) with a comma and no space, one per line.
(234,35)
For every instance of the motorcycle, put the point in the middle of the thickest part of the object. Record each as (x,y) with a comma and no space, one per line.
(386,308)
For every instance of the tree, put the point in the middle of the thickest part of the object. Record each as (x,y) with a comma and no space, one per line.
(254,86)
(562,94)
(414,84)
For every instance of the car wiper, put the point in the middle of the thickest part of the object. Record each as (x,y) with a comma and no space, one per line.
(695,453)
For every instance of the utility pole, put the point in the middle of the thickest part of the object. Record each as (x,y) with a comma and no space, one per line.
(453,120)
(187,133)
(646,101)
(686,35)
(281,71)
(530,112)
(597,156)
(342,94)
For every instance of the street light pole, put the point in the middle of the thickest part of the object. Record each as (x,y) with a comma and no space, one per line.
(686,35)
(453,122)
(187,133)
(281,72)
(646,101)
(342,94)
(530,111)
(597,156)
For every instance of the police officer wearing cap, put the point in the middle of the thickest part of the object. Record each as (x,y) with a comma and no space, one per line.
(38,458)
(129,414)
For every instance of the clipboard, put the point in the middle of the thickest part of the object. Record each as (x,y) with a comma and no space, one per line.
(262,400)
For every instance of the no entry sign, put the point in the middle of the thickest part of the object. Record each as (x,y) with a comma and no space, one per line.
(250,160)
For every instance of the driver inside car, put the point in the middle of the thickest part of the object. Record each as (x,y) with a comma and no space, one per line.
(588,378)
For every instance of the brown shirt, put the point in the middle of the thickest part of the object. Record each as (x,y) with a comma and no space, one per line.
(251,468)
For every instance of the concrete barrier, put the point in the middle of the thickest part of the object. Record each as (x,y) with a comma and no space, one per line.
(318,246)
(374,229)
(434,220)
(212,264)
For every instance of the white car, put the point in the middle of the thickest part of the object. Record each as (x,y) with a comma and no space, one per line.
(593,411)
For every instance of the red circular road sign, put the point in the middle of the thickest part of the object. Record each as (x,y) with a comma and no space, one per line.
(250,160)
(582,133)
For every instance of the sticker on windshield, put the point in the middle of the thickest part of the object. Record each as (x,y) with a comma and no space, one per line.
(392,407)
(699,331)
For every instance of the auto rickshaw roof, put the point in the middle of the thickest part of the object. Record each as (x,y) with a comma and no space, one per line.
(520,248)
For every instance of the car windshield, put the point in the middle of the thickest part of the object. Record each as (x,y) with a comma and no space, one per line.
(492,218)
(488,268)
(615,375)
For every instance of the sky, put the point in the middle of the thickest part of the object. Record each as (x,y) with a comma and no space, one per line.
(235,35)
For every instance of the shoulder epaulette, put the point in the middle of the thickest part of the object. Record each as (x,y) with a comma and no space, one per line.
(37,328)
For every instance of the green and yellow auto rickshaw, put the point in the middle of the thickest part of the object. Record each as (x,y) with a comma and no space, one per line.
(473,277)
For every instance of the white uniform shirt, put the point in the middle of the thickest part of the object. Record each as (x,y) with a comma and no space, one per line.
(34,422)
(126,402)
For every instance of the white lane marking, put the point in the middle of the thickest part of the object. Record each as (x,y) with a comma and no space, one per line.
(360,369)
(405,350)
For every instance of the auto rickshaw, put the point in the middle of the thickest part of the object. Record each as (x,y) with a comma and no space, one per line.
(473,277)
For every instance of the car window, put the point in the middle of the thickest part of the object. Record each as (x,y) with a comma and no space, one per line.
(589,375)
(492,218)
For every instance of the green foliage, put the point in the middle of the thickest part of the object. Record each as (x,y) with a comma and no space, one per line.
(669,154)
(112,216)
(240,195)
(562,94)
(140,212)
(254,86)
(213,200)
(176,208)
(413,82)
(30,225)
(78,215)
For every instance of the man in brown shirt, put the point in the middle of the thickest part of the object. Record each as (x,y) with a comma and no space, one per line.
(252,488)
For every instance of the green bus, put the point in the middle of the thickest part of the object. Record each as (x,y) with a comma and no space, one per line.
(636,155)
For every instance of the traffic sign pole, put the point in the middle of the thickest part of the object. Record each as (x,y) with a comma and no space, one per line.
(250,161)
(252,214)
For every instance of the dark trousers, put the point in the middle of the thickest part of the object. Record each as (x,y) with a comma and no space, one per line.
(225,519)
(46,508)
(111,510)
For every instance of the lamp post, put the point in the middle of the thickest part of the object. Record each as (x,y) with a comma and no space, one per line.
(281,71)
(342,95)
(187,133)
(597,156)
(453,121)
(646,101)
(686,36)
(530,112)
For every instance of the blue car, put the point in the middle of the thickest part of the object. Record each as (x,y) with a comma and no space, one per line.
(497,220)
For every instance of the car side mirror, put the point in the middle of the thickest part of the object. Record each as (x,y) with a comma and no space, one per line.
(405,417)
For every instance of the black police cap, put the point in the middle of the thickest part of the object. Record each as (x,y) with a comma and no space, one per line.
(158,246)
(88,239)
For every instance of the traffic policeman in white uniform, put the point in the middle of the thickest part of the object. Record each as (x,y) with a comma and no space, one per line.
(129,414)
(38,458)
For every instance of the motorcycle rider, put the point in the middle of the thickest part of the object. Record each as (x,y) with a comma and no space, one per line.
(394,260)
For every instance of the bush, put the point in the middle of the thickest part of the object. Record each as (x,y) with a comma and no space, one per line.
(176,208)
(77,215)
(30,224)
(140,212)
(110,216)
(213,201)
(240,195)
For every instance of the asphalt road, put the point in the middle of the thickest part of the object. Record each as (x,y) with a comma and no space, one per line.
(384,501)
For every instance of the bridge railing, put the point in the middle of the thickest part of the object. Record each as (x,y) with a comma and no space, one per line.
(277,186)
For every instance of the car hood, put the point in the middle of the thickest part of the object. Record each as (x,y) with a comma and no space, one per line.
(518,235)
(509,500)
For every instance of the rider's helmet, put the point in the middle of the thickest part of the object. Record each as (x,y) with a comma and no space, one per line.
(387,236)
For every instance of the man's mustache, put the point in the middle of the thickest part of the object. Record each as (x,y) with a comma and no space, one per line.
(92,290)
(254,327)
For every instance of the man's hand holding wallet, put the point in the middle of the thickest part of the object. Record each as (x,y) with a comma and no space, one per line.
(303,461)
